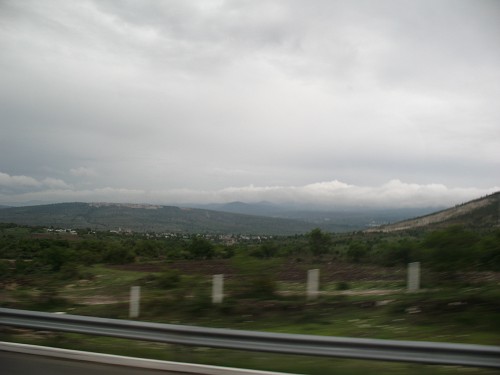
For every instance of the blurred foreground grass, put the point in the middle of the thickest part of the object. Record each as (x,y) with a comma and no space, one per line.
(231,358)
(373,308)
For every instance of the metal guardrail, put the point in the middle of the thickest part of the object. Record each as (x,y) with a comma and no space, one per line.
(344,347)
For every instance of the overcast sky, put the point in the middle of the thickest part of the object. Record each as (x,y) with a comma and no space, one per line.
(334,103)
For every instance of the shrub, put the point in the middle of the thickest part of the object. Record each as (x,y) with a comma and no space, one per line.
(357,251)
(266,250)
(342,285)
(49,298)
(5,270)
(258,287)
(69,271)
(450,250)
(319,242)
(168,279)
(201,248)
(117,254)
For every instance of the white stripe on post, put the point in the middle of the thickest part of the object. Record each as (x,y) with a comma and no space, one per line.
(217,288)
(312,283)
(135,296)
(413,276)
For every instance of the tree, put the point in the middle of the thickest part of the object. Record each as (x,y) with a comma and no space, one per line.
(147,248)
(116,253)
(450,249)
(489,251)
(56,257)
(266,250)
(357,251)
(396,252)
(201,248)
(319,242)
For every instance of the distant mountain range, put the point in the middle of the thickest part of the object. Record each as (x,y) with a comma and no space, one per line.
(479,213)
(235,217)
(344,220)
(243,218)
(143,218)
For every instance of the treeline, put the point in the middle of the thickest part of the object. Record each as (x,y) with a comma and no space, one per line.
(447,250)
(21,254)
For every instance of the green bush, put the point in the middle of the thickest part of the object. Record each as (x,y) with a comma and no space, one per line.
(168,279)
(49,298)
(117,254)
(69,271)
(357,251)
(257,287)
(488,252)
(5,270)
(200,248)
(56,257)
(266,250)
(319,242)
(450,250)
(342,285)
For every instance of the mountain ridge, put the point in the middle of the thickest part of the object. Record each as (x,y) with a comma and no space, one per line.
(339,220)
(146,217)
(480,212)
(247,218)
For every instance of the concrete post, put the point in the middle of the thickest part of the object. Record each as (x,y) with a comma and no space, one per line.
(217,288)
(312,284)
(413,276)
(135,296)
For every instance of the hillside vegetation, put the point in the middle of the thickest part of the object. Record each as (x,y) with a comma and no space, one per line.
(148,218)
(479,213)
(232,218)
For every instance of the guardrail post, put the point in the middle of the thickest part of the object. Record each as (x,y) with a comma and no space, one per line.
(217,288)
(135,296)
(413,276)
(312,284)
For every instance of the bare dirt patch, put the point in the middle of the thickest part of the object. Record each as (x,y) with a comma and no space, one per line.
(290,270)
(140,267)
(100,300)
(339,271)
(185,267)
(295,271)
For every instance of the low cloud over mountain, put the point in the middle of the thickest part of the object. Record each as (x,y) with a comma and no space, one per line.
(328,195)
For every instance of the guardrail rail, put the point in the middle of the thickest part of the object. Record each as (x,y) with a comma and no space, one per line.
(344,347)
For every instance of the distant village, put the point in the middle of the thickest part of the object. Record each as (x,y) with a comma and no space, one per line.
(226,239)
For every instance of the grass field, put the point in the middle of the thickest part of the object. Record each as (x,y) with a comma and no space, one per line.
(374,304)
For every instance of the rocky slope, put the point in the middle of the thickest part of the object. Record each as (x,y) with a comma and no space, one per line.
(479,213)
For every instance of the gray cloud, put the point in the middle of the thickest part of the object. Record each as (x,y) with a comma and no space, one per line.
(201,95)
(322,195)
(15,185)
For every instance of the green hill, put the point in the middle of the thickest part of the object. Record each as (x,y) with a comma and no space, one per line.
(143,218)
(482,213)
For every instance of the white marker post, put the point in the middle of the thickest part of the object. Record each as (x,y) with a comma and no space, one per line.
(413,276)
(135,296)
(217,288)
(312,284)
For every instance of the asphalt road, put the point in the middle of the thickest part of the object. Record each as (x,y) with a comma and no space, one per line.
(25,364)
